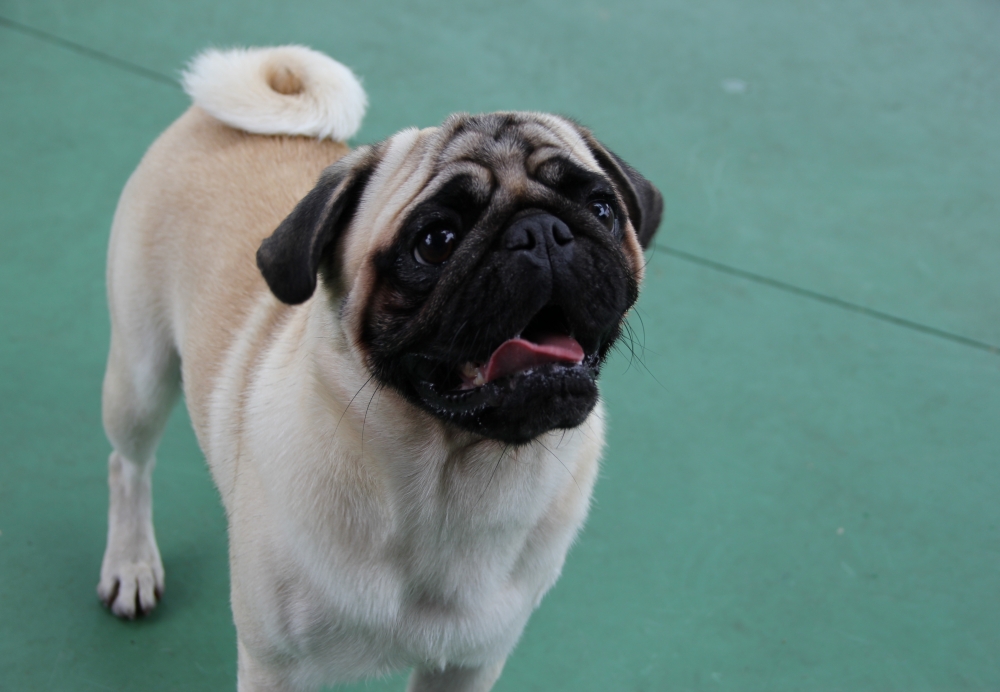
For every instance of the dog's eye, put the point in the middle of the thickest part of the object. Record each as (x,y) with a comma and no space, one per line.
(435,246)
(604,212)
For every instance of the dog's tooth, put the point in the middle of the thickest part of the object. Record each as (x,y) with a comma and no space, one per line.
(473,374)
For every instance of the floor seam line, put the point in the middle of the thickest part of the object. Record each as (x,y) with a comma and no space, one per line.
(89,52)
(829,300)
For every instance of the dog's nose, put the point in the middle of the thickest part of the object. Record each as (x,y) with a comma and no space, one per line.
(541,234)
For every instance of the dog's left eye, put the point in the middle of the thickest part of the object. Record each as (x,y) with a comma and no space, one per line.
(604,212)
(435,246)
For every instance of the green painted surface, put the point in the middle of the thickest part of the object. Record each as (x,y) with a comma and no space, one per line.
(803,498)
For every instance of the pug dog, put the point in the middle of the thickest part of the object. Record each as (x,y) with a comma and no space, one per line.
(390,358)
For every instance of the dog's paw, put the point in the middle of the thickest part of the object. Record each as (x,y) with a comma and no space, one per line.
(131,587)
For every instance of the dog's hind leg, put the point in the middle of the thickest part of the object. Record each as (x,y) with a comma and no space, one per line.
(141,385)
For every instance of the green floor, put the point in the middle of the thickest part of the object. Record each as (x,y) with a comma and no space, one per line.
(801,490)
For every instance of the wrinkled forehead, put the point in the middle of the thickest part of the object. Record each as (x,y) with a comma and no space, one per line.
(511,144)
(496,150)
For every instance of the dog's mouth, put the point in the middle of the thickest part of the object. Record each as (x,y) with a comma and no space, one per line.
(546,340)
(519,355)
(541,364)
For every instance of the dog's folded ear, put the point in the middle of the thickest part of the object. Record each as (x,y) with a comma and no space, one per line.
(290,258)
(644,201)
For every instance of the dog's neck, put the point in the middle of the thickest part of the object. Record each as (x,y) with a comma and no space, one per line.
(380,483)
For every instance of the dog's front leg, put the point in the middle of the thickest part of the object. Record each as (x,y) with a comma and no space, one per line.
(455,679)
(256,675)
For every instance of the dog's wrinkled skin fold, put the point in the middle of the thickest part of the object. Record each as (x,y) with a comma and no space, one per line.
(383,511)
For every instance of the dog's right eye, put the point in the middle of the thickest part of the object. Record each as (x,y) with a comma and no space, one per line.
(435,247)
(604,212)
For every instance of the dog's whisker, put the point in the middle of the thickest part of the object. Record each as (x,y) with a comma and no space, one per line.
(349,404)
(563,465)
(364,421)
(495,467)
(456,334)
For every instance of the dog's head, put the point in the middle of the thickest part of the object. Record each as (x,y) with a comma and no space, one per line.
(482,269)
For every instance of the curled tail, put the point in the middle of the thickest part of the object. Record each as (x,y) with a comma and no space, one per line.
(285,90)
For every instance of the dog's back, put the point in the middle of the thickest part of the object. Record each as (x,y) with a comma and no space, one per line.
(182,277)
(165,267)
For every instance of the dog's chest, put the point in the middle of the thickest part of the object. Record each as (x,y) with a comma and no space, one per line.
(435,583)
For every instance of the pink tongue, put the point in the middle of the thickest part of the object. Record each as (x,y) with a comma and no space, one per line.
(515,355)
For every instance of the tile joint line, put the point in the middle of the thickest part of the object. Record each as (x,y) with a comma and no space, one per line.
(829,300)
(89,52)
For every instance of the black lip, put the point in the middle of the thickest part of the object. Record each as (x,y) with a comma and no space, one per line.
(491,394)
(514,409)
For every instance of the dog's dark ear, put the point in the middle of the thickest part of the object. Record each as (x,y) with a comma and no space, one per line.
(645,203)
(290,257)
